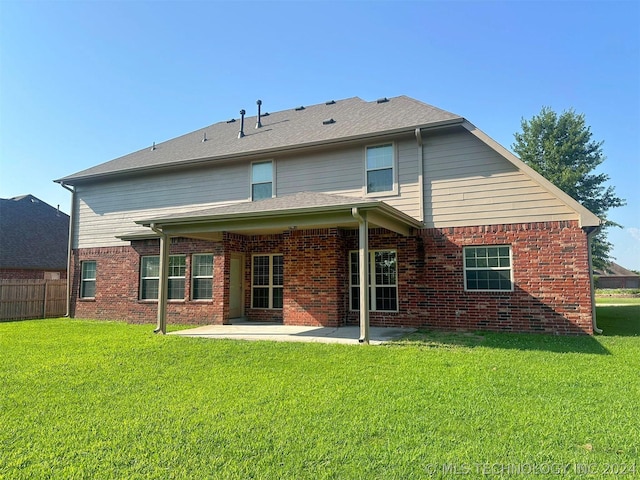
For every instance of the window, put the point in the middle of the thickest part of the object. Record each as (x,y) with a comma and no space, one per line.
(380,176)
(202,277)
(177,269)
(383,281)
(88,280)
(150,277)
(261,180)
(267,280)
(488,268)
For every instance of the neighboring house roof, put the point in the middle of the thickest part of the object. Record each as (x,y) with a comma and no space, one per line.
(353,118)
(33,234)
(614,270)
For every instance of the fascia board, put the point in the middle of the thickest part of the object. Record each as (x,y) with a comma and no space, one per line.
(586,217)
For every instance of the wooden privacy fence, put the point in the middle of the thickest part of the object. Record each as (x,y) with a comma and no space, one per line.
(22,299)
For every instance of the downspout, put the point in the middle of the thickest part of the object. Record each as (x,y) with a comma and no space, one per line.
(590,236)
(72,217)
(420,173)
(363,267)
(163,281)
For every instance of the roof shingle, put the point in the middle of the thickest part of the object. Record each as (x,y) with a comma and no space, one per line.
(353,118)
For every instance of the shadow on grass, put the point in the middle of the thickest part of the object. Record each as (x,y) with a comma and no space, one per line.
(619,321)
(515,341)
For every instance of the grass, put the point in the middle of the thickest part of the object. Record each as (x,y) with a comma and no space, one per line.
(617,300)
(87,399)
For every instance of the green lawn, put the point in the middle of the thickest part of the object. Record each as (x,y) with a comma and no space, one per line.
(87,399)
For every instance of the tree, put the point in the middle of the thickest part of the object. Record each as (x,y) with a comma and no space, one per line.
(560,148)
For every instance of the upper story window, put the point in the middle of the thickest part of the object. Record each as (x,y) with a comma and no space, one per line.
(380,169)
(488,268)
(261,180)
(88,279)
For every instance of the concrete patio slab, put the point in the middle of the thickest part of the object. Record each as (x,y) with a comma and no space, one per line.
(288,333)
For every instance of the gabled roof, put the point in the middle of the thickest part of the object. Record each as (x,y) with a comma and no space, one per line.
(33,234)
(353,119)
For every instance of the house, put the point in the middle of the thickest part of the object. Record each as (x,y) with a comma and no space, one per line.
(34,238)
(615,276)
(285,216)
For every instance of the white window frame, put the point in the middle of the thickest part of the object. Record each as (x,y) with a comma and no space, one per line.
(195,277)
(271,285)
(182,277)
(143,278)
(174,277)
(273,178)
(467,269)
(372,280)
(84,280)
(394,171)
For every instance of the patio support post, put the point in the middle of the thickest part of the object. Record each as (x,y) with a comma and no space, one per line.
(163,281)
(363,269)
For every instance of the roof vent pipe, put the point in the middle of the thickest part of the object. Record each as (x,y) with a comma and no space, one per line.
(153,147)
(204,137)
(259,123)
(241,132)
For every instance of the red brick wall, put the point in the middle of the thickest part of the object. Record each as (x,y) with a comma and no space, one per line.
(550,267)
(314,278)
(551,280)
(118,279)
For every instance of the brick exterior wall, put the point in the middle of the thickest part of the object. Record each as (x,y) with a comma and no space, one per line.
(550,270)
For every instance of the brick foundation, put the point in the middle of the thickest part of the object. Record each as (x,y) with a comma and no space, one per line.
(550,267)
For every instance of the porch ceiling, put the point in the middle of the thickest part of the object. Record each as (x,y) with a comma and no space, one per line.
(276,215)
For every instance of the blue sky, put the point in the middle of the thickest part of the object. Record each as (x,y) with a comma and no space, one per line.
(82,83)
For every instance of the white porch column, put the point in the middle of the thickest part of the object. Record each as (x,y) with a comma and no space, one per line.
(363,268)
(163,283)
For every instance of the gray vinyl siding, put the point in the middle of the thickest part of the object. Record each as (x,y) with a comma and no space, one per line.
(465,183)
(468,183)
(342,172)
(109,209)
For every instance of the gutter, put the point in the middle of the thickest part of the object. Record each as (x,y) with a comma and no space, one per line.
(70,246)
(420,172)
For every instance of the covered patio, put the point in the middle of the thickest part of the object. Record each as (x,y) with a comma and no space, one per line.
(286,215)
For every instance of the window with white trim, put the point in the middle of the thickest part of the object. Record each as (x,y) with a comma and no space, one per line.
(261,180)
(267,280)
(177,271)
(150,277)
(88,279)
(488,268)
(383,281)
(202,276)
(380,175)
